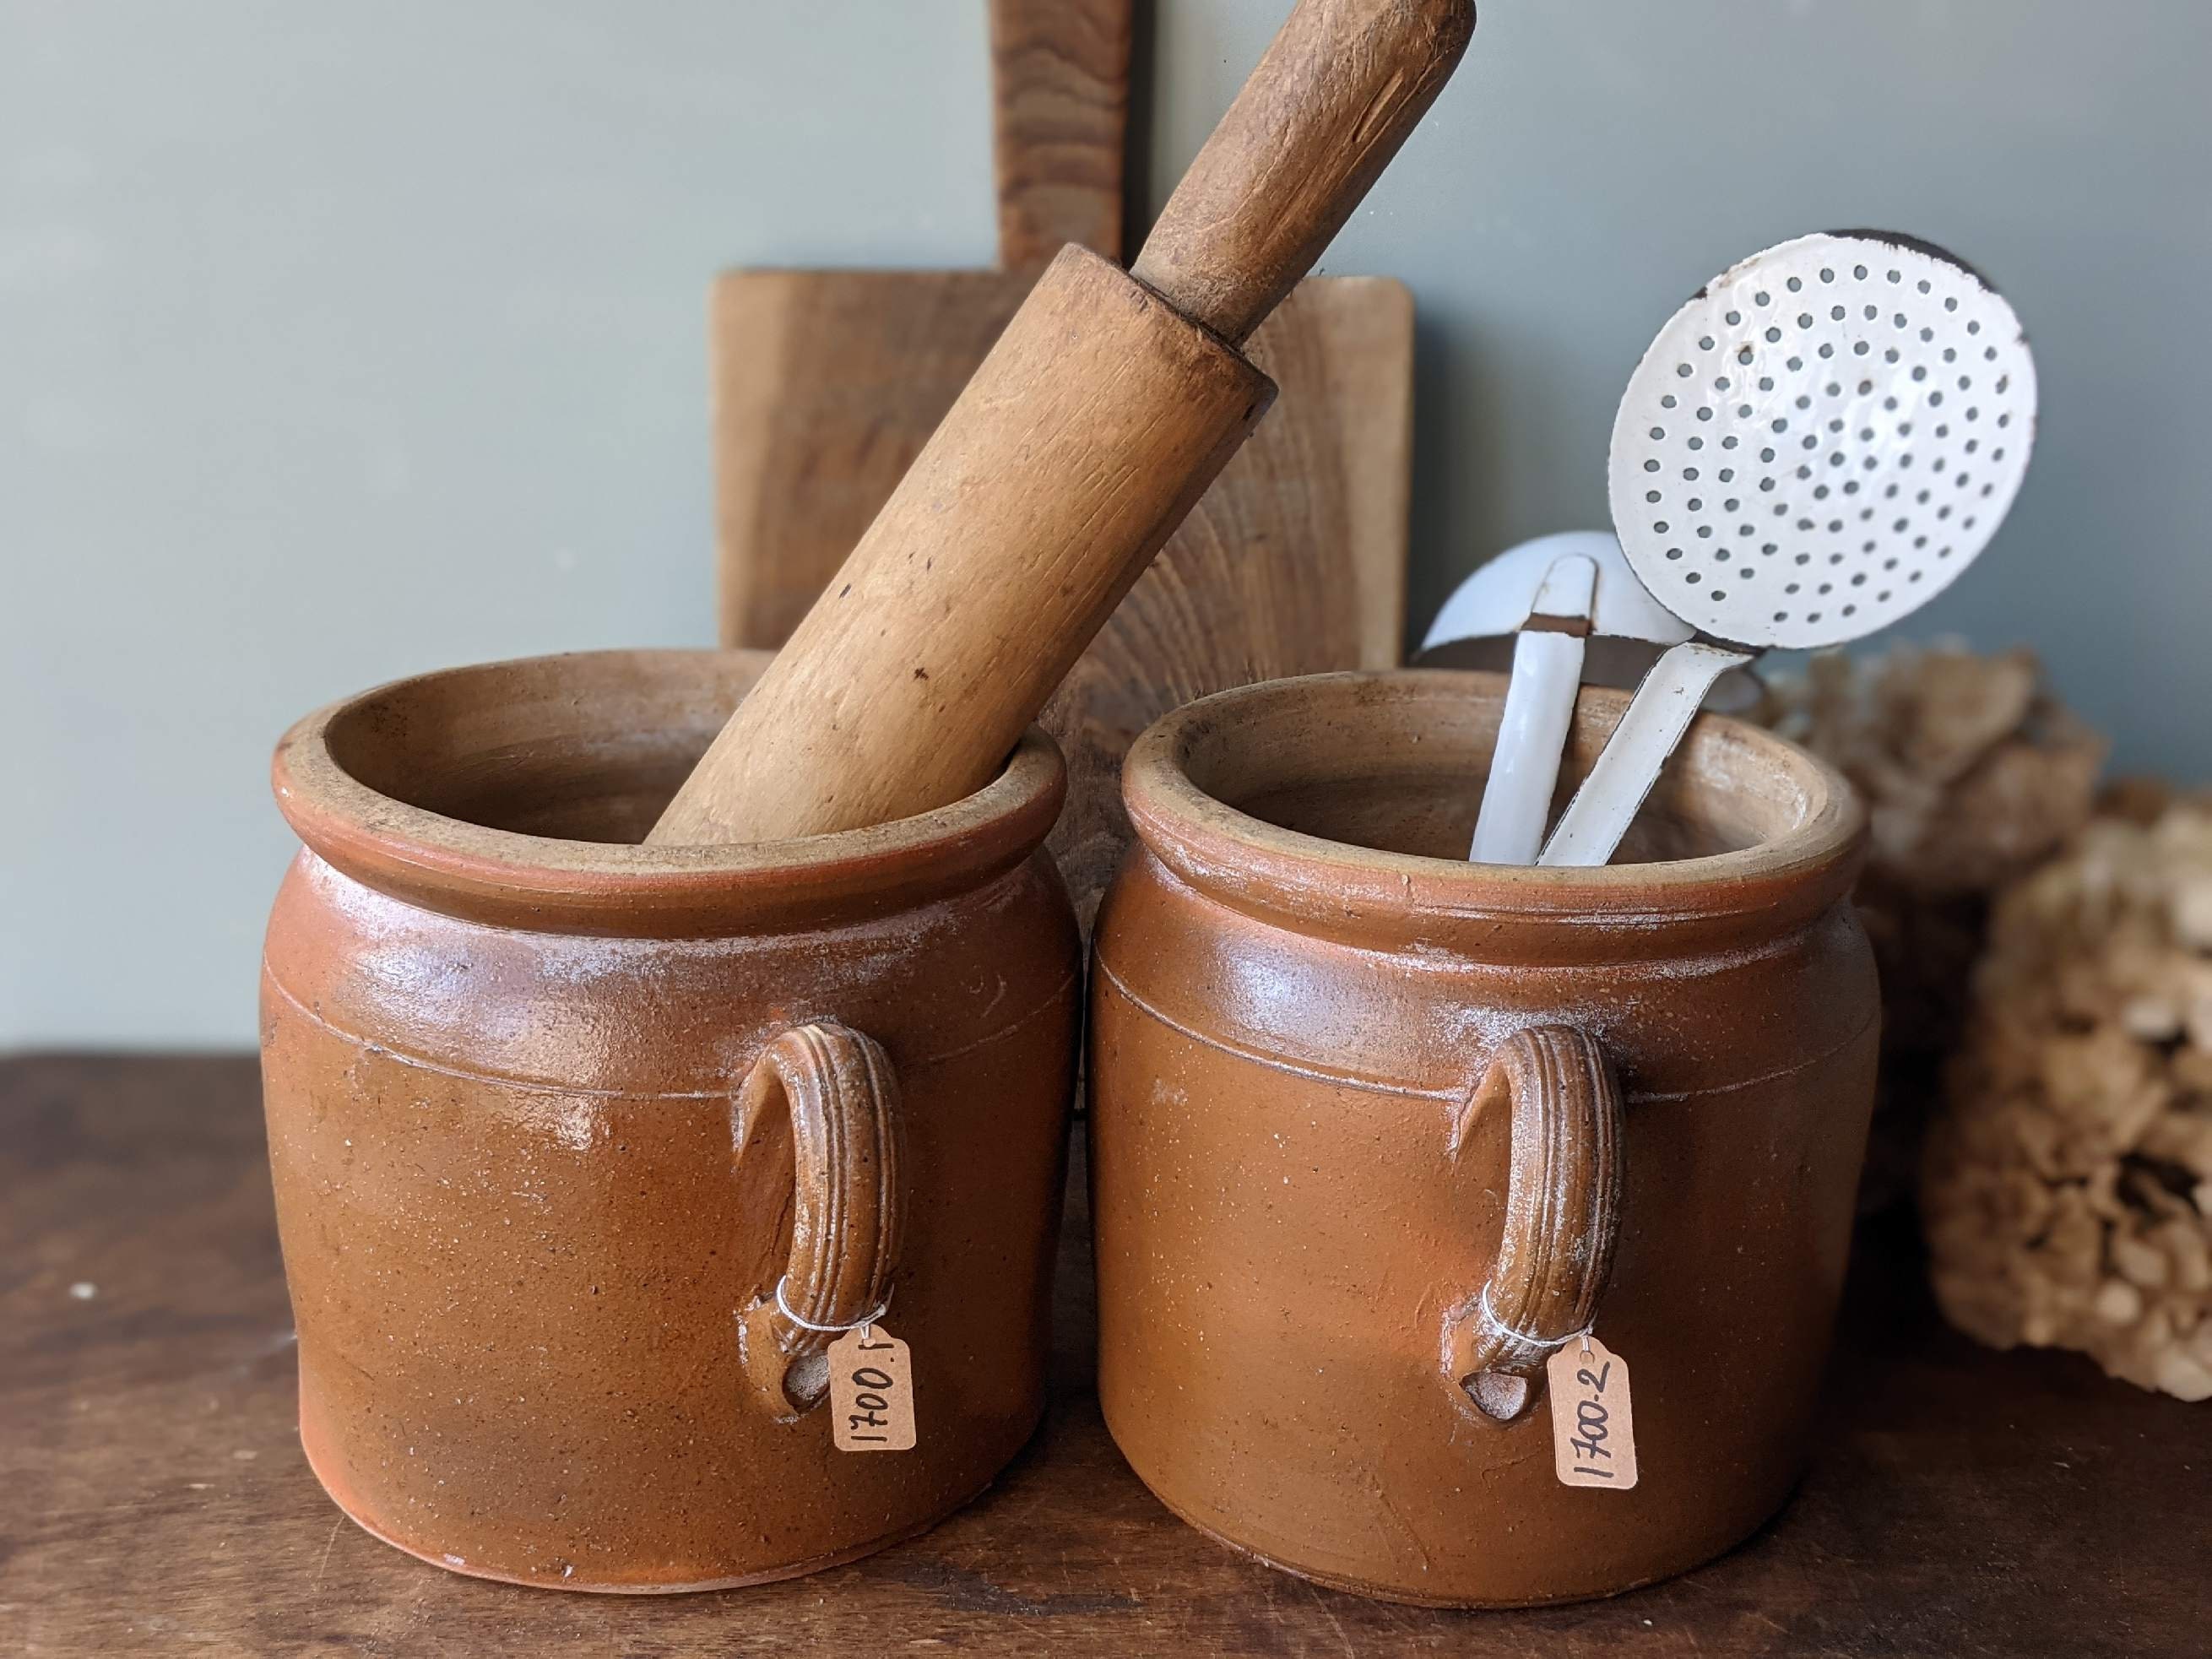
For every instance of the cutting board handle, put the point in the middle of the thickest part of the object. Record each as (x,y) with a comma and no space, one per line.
(1060,122)
(1338,91)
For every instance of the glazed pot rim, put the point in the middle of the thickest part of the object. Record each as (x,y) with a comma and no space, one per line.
(549,884)
(1391,899)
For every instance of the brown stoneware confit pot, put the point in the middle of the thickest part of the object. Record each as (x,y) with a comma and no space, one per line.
(551,1115)
(1374,1131)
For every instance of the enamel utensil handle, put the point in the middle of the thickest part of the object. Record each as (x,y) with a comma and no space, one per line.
(1660,712)
(1342,84)
(1539,704)
(1090,430)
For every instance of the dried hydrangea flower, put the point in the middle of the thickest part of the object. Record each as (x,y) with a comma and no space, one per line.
(1973,774)
(2067,1189)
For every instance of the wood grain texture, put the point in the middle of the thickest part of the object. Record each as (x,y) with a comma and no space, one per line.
(1092,428)
(1087,435)
(1959,1501)
(828,384)
(1060,110)
(1293,564)
(1339,88)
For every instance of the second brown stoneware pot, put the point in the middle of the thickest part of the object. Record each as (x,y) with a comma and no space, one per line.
(552,1115)
(1374,1130)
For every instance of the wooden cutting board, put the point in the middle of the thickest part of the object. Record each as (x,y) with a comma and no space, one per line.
(827,383)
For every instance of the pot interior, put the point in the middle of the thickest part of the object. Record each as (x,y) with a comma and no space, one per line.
(589,747)
(1398,764)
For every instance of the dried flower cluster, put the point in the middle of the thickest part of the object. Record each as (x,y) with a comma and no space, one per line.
(2067,1192)
(1973,774)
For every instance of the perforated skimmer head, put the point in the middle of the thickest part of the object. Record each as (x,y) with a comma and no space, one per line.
(1821,441)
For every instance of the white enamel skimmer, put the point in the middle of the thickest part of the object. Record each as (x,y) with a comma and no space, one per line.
(1814,447)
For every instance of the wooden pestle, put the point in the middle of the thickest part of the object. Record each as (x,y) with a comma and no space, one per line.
(1099,418)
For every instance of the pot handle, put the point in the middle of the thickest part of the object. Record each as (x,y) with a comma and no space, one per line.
(844,1100)
(1562,1214)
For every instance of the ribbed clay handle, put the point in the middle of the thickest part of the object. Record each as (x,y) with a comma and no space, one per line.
(842,1097)
(1343,83)
(1562,1213)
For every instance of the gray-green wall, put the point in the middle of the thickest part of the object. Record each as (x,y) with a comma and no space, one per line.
(341,340)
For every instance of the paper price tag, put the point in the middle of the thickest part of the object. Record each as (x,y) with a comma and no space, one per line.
(1593,1426)
(870,1391)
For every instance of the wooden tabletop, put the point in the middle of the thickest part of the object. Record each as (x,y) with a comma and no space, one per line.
(152,1499)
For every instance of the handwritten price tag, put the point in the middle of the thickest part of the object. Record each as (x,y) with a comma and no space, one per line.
(1593,1427)
(871,1391)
